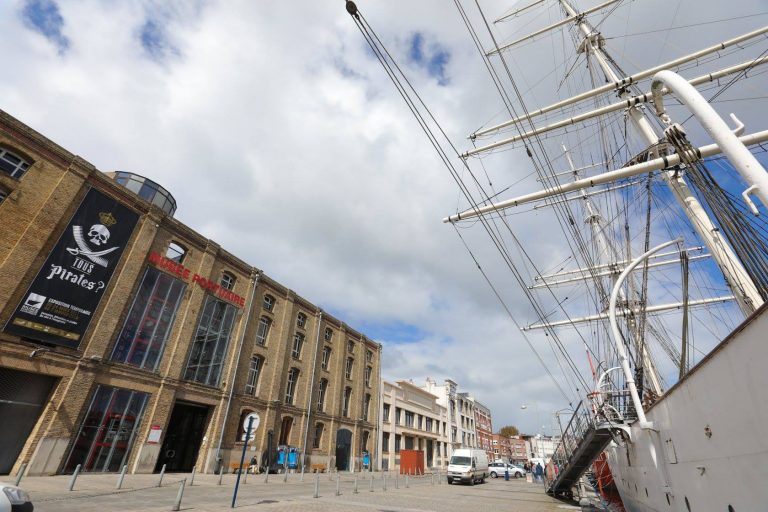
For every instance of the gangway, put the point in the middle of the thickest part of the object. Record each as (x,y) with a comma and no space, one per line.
(582,441)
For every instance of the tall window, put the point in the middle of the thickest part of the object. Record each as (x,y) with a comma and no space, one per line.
(385,442)
(262,331)
(350,346)
(298,342)
(408,419)
(428,425)
(290,388)
(347,401)
(321,394)
(385,414)
(227,281)
(301,320)
(253,375)
(398,415)
(348,369)
(149,322)
(269,302)
(326,361)
(397,443)
(206,358)
(368,371)
(328,334)
(175,252)
(366,406)
(12,164)
(319,427)
(369,356)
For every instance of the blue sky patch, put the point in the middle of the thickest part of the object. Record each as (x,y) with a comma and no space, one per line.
(154,40)
(44,17)
(432,57)
(395,332)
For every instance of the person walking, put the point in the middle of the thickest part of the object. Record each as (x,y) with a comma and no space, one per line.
(539,472)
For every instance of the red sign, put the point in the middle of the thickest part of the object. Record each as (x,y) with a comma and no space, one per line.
(183,272)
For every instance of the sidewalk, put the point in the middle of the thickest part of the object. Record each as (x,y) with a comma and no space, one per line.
(96,492)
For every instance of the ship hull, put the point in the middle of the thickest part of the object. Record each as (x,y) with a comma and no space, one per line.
(707,450)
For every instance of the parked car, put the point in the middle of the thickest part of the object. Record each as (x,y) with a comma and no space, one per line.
(467,465)
(497,469)
(14,499)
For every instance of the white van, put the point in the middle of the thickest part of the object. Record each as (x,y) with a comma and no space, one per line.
(468,465)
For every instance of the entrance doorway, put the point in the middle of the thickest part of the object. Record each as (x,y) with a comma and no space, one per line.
(343,448)
(183,437)
(430,453)
(22,398)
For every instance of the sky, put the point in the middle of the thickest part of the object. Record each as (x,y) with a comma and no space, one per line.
(281,138)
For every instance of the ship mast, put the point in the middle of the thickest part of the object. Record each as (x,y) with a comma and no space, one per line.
(736,276)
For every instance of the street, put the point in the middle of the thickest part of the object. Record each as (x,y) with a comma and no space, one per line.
(140,493)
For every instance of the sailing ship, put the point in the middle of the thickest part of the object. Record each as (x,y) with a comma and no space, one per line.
(655,308)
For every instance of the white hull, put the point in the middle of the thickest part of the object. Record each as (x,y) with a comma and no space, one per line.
(726,395)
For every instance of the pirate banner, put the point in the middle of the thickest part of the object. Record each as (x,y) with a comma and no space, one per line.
(60,303)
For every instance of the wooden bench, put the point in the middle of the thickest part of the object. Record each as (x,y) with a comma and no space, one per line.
(318,468)
(248,467)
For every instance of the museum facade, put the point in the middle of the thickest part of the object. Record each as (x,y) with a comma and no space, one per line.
(129,339)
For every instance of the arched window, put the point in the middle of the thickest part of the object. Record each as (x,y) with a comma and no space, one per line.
(262,331)
(290,388)
(301,320)
(285,430)
(364,442)
(319,427)
(366,406)
(13,164)
(240,436)
(298,342)
(328,334)
(253,375)
(348,369)
(321,394)
(227,281)
(175,252)
(347,400)
(269,302)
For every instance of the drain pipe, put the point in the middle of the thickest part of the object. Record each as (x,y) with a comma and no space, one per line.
(617,339)
(311,391)
(237,365)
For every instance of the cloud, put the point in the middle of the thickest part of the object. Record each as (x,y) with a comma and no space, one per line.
(281,138)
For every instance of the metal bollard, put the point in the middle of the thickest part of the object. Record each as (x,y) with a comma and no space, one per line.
(120,479)
(20,474)
(431,479)
(370,482)
(385,482)
(177,504)
(285,475)
(74,477)
(317,485)
(221,474)
(162,473)
(397,481)
(302,473)
(192,478)
(354,491)
(406,481)
(245,476)
(338,491)
(439,478)
(266,477)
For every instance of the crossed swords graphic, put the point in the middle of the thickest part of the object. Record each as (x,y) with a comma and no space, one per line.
(82,248)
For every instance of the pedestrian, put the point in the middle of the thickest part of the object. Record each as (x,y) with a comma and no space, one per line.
(539,472)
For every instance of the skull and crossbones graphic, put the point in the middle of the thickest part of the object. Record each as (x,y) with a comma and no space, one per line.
(98,235)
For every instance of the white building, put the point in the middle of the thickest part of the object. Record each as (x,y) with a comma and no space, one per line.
(412,419)
(461,413)
(543,447)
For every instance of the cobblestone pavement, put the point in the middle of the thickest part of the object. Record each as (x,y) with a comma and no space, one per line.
(140,493)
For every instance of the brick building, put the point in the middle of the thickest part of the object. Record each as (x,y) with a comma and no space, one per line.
(484,429)
(152,344)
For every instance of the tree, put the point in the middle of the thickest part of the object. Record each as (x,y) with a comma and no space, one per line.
(509,431)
